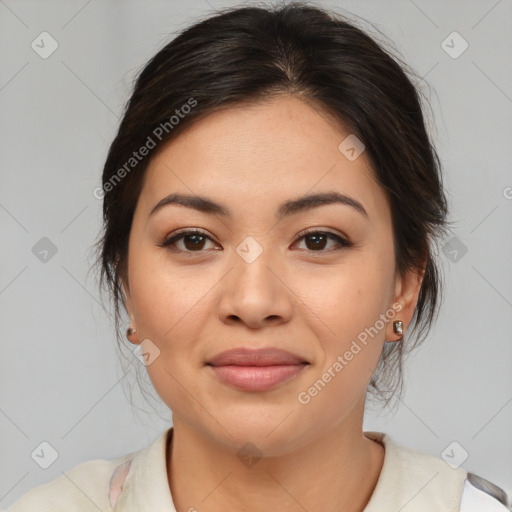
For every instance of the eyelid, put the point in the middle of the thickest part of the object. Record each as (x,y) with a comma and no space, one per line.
(307,231)
(188,231)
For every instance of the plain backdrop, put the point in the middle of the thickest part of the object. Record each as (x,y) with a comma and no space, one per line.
(61,381)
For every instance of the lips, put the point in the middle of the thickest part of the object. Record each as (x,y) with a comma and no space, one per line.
(256,370)
(256,357)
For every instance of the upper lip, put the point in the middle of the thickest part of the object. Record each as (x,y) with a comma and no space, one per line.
(256,357)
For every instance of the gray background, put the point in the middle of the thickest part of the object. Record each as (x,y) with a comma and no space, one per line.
(60,376)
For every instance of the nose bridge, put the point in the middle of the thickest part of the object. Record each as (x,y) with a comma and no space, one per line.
(252,267)
(253,290)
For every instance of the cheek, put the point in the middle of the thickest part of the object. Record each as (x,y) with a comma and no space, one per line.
(170,308)
(165,296)
(350,297)
(351,333)
(172,305)
(347,321)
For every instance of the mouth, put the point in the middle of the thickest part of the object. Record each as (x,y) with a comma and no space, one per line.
(256,369)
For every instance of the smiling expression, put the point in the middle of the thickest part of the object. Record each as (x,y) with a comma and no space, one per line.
(253,230)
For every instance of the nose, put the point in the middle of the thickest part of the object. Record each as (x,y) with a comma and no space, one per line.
(256,292)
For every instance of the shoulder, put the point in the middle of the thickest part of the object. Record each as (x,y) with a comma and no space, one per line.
(480,495)
(135,481)
(83,488)
(413,480)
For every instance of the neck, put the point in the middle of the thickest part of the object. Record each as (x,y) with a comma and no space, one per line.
(337,471)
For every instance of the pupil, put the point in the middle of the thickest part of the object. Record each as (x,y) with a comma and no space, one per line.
(194,244)
(316,244)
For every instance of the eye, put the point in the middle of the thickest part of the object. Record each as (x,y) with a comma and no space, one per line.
(318,240)
(195,240)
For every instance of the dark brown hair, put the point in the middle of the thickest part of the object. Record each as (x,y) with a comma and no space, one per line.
(252,54)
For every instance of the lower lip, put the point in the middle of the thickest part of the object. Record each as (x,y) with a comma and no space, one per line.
(256,378)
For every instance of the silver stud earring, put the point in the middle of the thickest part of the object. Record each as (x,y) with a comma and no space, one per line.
(398,327)
(130,331)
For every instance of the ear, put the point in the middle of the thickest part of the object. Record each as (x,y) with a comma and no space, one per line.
(407,290)
(128,304)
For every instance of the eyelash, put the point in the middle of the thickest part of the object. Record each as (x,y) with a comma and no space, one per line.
(342,242)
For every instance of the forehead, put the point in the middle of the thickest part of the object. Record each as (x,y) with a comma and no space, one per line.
(261,153)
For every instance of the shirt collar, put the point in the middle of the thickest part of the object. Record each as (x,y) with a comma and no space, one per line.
(146,488)
(414,481)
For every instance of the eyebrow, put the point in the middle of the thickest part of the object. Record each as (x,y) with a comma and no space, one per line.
(290,207)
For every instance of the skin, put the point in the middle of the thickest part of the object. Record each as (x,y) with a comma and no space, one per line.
(195,303)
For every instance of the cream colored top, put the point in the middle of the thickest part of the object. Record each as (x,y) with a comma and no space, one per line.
(409,481)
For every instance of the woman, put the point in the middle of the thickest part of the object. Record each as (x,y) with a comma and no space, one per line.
(271,204)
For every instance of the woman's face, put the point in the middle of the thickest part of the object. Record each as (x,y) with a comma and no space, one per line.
(253,280)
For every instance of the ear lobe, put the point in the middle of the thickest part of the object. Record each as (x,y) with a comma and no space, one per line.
(131,333)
